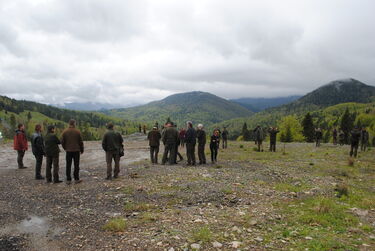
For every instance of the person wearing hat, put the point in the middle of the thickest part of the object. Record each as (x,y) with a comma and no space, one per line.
(190,139)
(52,155)
(112,144)
(224,135)
(201,136)
(154,137)
(170,139)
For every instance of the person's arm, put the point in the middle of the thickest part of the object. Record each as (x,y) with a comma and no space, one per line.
(81,143)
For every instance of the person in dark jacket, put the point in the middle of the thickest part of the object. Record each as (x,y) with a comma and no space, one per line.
(154,137)
(169,138)
(144,129)
(182,137)
(214,145)
(112,144)
(334,135)
(355,136)
(273,131)
(341,137)
(71,141)
(201,136)
(20,144)
(259,137)
(364,139)
(190,140)
(177,145)
(318,136)
(52,155)
(224,135)
(37,145)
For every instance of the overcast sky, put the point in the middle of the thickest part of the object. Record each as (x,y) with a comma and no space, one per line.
(131,52)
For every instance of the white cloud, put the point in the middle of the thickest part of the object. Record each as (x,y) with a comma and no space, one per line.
(131,52)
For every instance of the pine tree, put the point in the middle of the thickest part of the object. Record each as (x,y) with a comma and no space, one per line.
(13,121)
(29,116)
(308,128)
(245,133)
(288,134)
(347,124)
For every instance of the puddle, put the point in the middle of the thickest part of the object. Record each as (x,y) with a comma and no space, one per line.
(34,225)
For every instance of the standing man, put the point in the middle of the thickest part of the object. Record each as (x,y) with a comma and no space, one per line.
(20,144)
(71,141)
(154,137)
(341,137)
(273,133)
(169,138)
(190,139)
(334,134)
(201,136)
(144,129)
(37,145)
(214,145)
(318,136)
(112,145)
(181,135)
(355,135)
(259,136)
(140,128)
(364,139)
(52,155)
(224,134)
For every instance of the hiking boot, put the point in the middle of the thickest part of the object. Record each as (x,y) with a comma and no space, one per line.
(22,167)
(77,181)
(108,178)
(57,181)
(39,177)
(68,182)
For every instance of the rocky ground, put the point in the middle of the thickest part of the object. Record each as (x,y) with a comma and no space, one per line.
(300,198)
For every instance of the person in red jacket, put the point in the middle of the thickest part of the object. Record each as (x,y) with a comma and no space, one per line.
(20,144)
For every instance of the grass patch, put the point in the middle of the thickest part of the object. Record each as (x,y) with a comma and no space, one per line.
(288,187)
(138,207)
(115,225)
(202,234)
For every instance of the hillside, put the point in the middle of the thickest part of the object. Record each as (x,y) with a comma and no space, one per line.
(199,107)
(260,104)
(349,93)
(30,113)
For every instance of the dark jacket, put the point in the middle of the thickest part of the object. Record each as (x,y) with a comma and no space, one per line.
(154,137)
(191,136)
(214,141)
(258,133)
(273,133)
(318,135)
(364,136)
(71,140)
(112,141)
(355,135)
(170,136)
(20,141)
(37,144)
(224,134)
(201,136)
(52,142)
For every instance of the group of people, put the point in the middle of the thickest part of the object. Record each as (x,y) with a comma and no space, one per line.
(72,142)
(172,139)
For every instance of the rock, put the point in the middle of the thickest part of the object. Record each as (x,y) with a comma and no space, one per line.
(236,229)
(294,194)
(235,244)
(195,246)
(308,238)
(258,239)
(359,212)
(216,244)
(159,243)
(171,249)
(253,222)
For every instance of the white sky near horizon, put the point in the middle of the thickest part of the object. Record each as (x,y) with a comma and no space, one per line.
(128,52)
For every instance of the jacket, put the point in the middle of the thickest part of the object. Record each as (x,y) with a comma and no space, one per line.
(112,141)
(273,134)
(224,134)
(154,137)
(191,136)
(37,144)
(170,136)
(51,142)
(214,142)
(20,141)
(355,136)
(71,140)
(259,135)
(201,136)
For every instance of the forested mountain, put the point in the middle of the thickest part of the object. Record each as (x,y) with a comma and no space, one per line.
(30,113)
(199,107)
(348,92)
(260,104)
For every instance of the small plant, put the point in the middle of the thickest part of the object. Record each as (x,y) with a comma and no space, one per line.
(140,207)
(351,162)
(148,217)
(311,163)
(255,149)
(115,225)
(341,190)
(241,146)
(203,234)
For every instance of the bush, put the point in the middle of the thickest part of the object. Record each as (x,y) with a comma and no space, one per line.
(115,225)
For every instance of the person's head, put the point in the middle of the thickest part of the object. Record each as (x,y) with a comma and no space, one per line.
(38,128)
(168,124)
(21,127)
(189,124)
(72,123)
(200,126)
(51,129)
(110,126)
(154,128)
(216,132)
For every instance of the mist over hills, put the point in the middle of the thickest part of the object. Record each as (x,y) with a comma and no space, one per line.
(260,104)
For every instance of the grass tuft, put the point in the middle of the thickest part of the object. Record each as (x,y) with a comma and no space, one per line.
(115,225)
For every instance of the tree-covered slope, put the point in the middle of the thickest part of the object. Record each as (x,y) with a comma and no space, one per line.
(199,107)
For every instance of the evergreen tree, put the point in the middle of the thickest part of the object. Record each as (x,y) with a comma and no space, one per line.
(347,124)
(308,128)
(13,121)
(245,133)
(288,134)
(29,116)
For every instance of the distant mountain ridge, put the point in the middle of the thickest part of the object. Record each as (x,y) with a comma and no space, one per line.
(260,104)
(89,106)
(199,107)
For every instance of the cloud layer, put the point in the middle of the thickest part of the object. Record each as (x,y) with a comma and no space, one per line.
(134,51)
